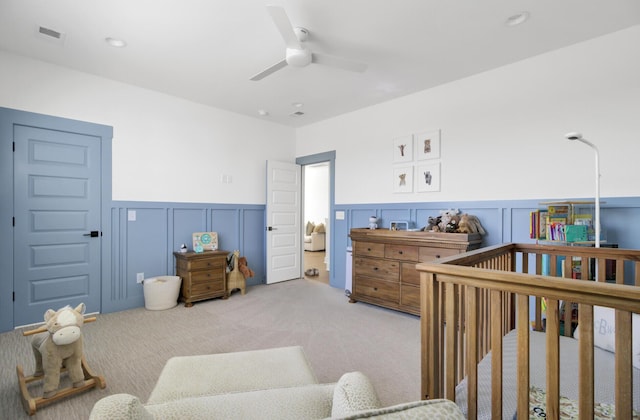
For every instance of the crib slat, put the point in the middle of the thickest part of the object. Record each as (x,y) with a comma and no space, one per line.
(496,355)
(472,354)
(452,340)
(553,360)
(624,378)
(585,368)
(523,355)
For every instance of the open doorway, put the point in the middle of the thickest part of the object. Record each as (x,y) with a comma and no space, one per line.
(316,210)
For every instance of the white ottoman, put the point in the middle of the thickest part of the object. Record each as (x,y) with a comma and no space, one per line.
(214,374)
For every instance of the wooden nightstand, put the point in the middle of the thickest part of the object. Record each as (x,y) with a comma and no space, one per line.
(203,275)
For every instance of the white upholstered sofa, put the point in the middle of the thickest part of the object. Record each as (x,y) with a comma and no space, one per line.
(314,237)
(260,384)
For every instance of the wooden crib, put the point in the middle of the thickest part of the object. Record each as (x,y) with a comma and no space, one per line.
(487,293)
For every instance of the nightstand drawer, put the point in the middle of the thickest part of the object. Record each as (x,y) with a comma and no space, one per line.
(205,264)
(206,288)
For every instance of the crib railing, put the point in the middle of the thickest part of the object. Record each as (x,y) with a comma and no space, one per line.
(470,301)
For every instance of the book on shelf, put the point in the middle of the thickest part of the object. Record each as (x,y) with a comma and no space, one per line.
(538,224)
(575,233)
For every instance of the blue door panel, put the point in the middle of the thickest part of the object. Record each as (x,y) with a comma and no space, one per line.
(57,203)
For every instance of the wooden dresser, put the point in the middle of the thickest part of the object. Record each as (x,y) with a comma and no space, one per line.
(203,275)
(384,261)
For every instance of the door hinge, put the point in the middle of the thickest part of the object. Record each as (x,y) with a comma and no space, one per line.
(14,221)
(14,296)
(14,146)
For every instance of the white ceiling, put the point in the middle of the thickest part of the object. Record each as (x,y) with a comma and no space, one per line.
(206,50)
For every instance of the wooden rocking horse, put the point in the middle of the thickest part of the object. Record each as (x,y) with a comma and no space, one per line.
(57,348)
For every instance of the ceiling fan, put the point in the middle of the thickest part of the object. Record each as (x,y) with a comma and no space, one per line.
(297,54)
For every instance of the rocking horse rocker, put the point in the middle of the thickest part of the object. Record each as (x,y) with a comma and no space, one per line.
(57,348)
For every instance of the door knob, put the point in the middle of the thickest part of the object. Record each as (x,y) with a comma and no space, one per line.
(93,234)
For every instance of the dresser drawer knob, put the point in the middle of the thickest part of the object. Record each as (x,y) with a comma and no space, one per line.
(400,252)
(369,249)
(375,268)
(437,256)
(375,288)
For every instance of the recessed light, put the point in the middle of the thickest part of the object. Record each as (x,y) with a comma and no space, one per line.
(517,19)
(298,104)
(115,42)
(263,112)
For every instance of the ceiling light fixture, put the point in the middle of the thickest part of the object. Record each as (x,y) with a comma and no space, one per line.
(517,19)
(115,42)
(298,104)
(263,112)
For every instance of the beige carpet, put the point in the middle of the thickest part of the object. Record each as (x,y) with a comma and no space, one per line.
(130,347)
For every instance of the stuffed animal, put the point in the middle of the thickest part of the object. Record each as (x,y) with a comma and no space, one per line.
(433,224)
(60,345)
(445,218)
(470,224)
(244,268)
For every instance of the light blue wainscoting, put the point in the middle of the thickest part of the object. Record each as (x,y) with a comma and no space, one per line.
(146,244)
(504,221)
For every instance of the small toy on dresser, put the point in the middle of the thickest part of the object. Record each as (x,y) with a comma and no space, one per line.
(450,221)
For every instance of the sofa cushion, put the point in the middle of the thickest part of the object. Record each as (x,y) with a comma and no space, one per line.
(119,406)
(426,409)
(319,228)
(353,392)
(302,402)
(309,228)
(212,374)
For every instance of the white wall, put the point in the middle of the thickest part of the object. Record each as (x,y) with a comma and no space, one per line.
(164,148)
(316,193)
(503,130)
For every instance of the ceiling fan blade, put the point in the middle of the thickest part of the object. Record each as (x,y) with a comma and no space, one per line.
(284,25)
(341,63)
(264,73)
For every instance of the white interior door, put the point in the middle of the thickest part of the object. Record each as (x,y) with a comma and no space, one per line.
(284,190)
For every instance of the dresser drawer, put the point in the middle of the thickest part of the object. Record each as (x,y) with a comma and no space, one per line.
(377,289)
(401,252)
(409,274)
(382,269)
(430,254)
(368,249)
(410,296)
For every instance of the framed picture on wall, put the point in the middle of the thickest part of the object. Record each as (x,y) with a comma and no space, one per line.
(427,144)
(428,177)
(403,179)
(403,149)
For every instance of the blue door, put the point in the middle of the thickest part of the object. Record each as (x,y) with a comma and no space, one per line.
(57,233)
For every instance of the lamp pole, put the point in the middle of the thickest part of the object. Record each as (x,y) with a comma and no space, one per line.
(578,136)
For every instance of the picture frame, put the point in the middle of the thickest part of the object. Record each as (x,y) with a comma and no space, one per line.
(428,177)
(205,241)
(427,144)
(403,179)
(403,149)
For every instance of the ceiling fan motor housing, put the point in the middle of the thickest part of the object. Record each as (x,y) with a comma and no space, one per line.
(298,57)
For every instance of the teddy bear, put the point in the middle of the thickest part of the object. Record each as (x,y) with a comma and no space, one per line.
(470,224)
(433,224)
(244,268)
(446,216)
(60,345)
